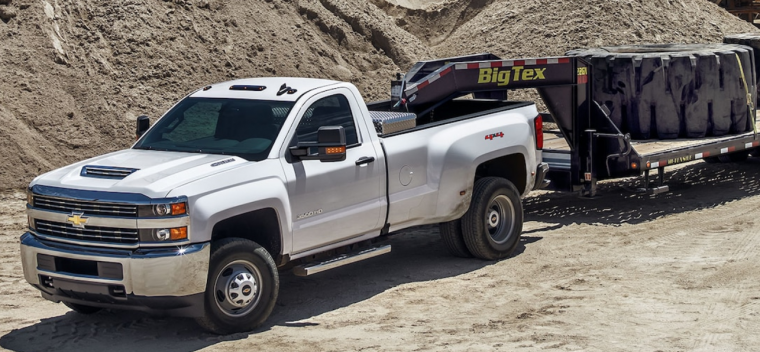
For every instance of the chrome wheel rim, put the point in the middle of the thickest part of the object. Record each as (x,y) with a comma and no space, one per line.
(500,219)
(237,288)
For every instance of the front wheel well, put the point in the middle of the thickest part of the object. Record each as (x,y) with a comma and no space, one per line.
(511,167)
(261,226)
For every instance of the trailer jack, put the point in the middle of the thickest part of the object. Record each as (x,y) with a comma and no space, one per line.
(660,188)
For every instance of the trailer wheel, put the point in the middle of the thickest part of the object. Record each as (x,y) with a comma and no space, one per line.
(673,90)
(81,308)
(734,157)
(711,160)
(493,224)
(453,239)
(242,287)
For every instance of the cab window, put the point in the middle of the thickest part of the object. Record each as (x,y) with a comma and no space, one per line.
(329,111)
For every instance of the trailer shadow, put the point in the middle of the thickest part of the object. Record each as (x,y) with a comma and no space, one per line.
(417,256)
(692,187)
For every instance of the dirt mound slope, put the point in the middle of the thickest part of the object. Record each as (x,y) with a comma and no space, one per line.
(545,27)
(74,75)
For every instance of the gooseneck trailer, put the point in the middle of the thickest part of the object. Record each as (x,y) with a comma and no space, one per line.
(588,145)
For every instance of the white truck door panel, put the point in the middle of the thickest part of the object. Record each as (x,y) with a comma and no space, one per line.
(334,201)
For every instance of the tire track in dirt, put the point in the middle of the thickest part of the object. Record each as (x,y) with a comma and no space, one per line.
(725,309)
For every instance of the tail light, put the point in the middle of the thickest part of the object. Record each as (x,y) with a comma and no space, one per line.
(539,127)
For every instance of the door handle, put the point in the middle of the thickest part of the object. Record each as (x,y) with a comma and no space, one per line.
(365,160)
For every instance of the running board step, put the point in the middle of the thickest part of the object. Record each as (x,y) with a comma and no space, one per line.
(341,260)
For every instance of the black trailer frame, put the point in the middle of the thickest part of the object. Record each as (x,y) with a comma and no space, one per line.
(594,149)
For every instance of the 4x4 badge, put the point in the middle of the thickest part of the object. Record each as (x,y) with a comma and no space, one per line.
(77,220)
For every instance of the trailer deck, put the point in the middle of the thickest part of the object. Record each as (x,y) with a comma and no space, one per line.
(657,153)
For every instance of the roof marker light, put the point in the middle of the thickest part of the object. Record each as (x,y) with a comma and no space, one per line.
(247,87)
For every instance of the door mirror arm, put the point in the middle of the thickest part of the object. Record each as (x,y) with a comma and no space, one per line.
(330,146)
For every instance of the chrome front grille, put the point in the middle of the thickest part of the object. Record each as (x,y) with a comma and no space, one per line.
(88,207)
(89,233)
(106,171)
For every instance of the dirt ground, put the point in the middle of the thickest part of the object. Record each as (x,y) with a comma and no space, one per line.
(624,272)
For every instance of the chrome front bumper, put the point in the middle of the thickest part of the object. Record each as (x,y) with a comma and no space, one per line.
(162,273)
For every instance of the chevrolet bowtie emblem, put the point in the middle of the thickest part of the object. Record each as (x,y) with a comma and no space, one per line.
(77,219)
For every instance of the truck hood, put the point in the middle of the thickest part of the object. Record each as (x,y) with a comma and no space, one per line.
(155,173)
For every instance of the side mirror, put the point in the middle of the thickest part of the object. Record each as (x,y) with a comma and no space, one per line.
(143,124)
(330,146)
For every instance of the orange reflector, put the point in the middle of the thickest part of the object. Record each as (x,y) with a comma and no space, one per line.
(634,166)
(335,150)
(461,193)
(179,233)
(179,209)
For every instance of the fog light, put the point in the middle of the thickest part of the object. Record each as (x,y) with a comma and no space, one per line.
(163,234)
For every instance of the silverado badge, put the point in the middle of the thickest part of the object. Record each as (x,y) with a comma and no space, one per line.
(77,220)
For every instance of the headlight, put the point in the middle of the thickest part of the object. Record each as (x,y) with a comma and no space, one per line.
(170,209)
(29,197)
(163,235)
(162,209)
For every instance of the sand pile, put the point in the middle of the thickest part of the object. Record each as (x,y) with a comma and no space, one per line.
(75,75)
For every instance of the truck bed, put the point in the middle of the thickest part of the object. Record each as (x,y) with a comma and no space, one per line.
(451,111)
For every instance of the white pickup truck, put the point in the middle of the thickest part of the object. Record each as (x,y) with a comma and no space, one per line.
(243,179)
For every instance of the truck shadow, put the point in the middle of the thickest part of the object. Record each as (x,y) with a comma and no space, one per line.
(417,256)
(693,187)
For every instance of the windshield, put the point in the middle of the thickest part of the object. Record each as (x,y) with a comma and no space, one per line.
(240,127)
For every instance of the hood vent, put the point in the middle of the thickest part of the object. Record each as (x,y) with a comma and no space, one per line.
(106,171)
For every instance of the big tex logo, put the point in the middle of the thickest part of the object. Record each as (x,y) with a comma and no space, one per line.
(505,76)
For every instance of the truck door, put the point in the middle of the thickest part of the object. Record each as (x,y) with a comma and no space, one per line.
(334,201)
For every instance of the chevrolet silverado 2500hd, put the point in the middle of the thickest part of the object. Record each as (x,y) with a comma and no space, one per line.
(242,179)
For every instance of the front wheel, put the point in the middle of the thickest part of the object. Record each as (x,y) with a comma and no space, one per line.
(242,287)
(493,224)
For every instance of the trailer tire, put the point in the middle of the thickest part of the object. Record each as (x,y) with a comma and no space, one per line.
(82,309)
(711,160)
(493,224)
(453,239)
(736,157)
(669,91)
(238,264)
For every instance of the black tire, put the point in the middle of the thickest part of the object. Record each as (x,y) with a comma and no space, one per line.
(728,158)
(82,309)
(492,226)
(248,265)
(673,90)
(711,160)
(751,40)
(453,240)
(736,157)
